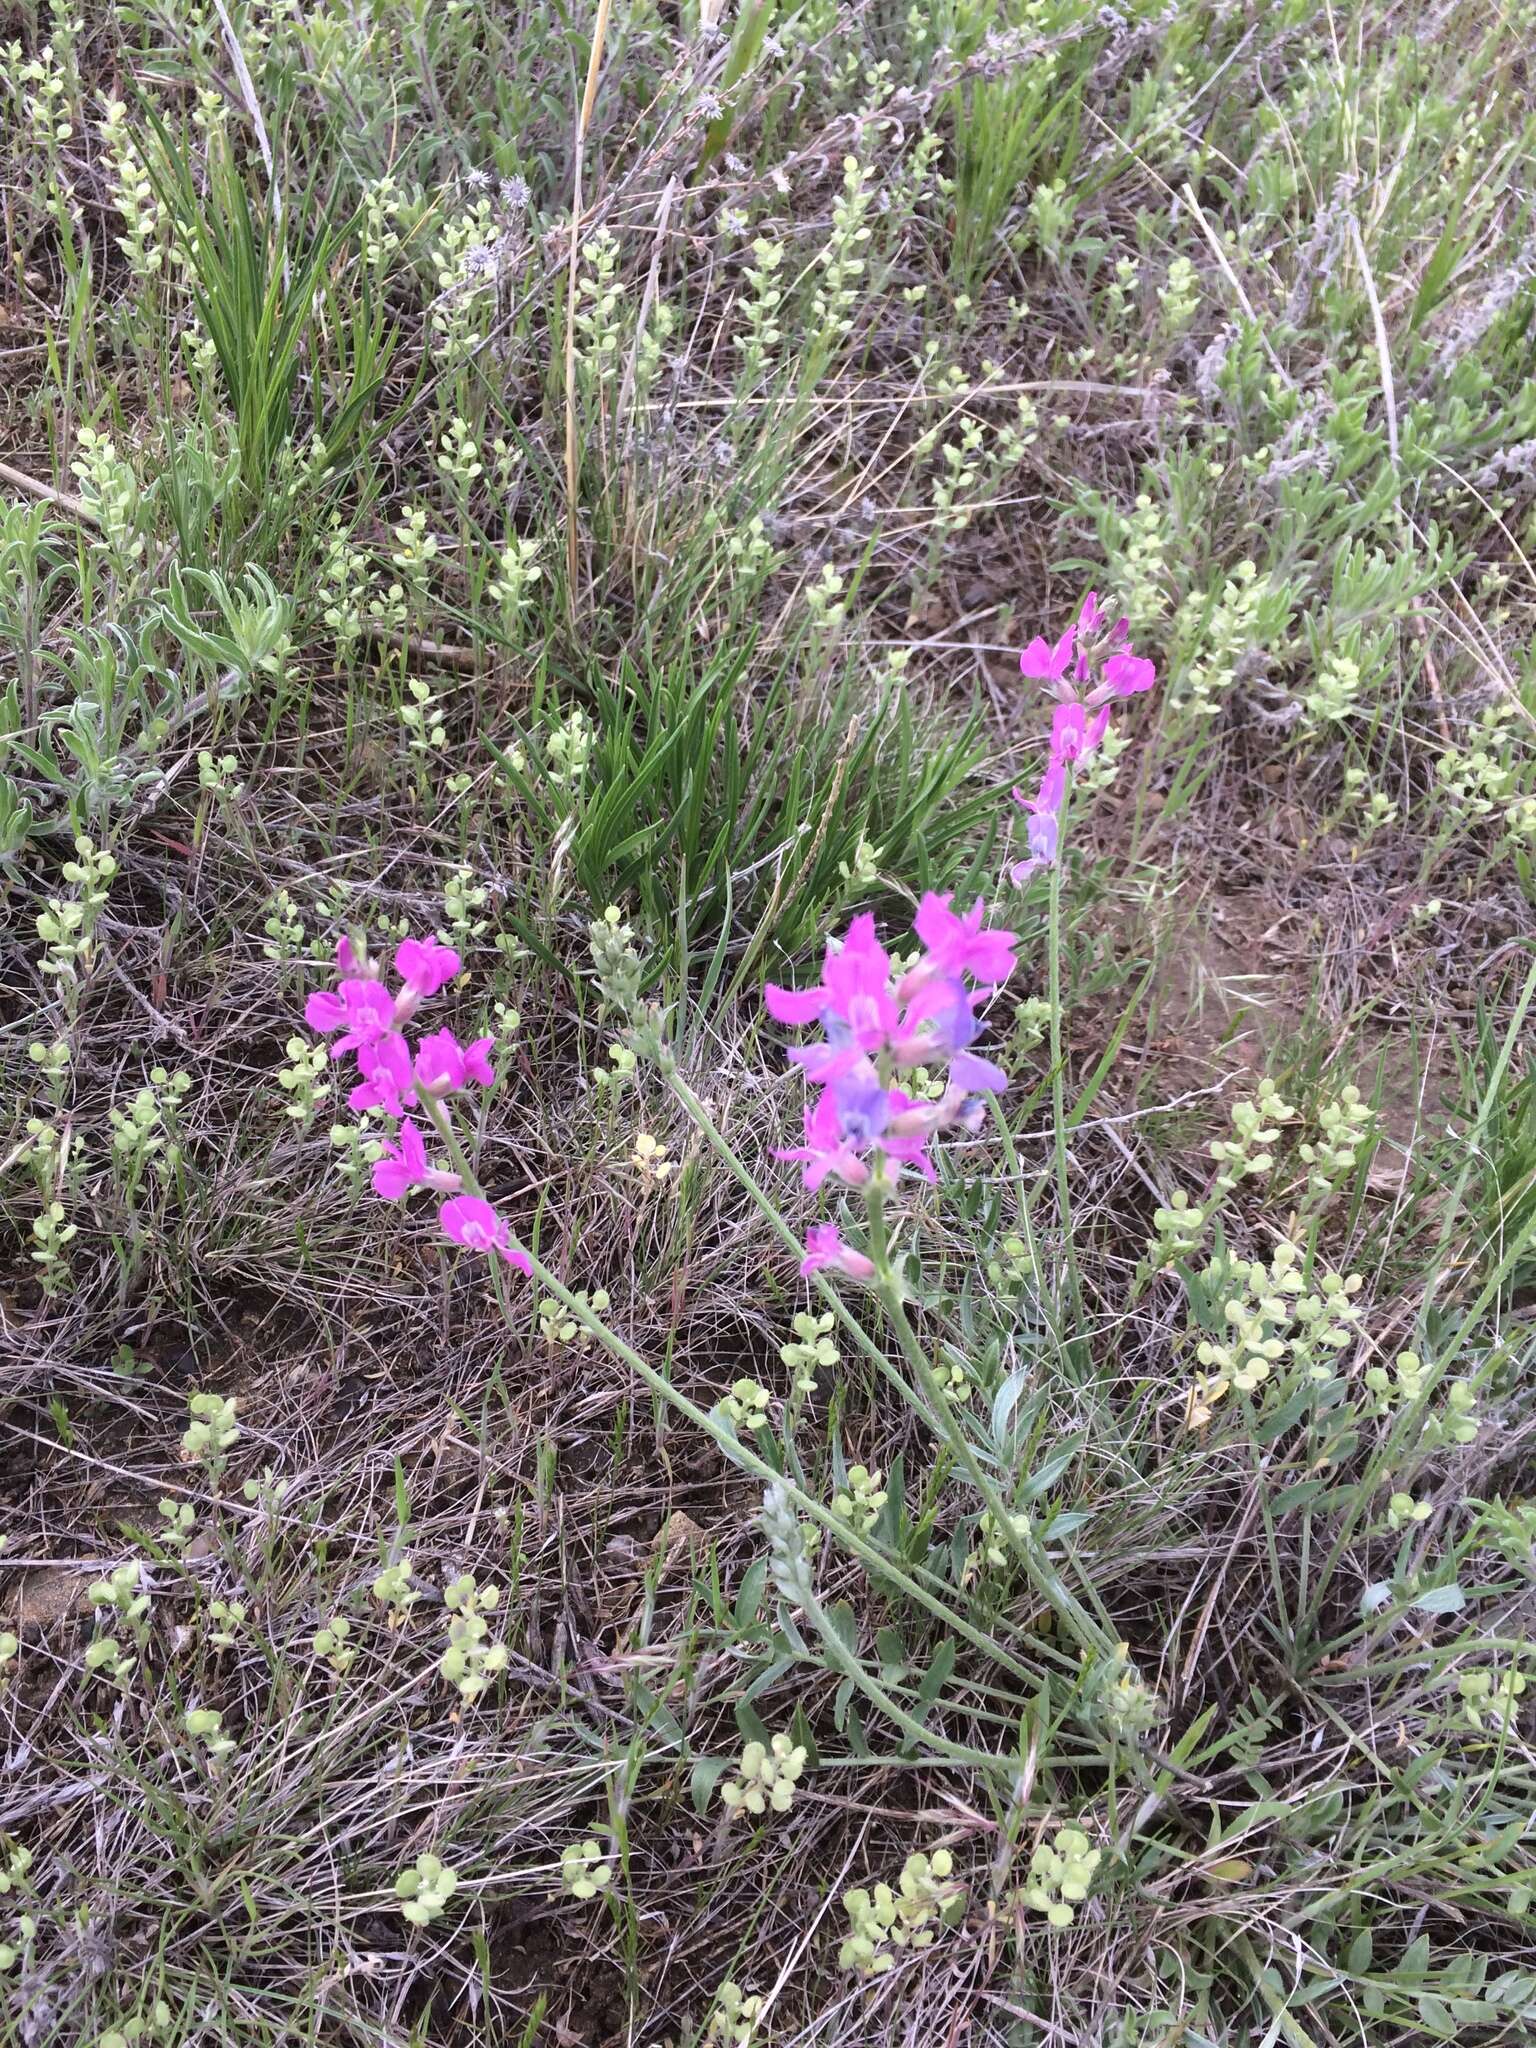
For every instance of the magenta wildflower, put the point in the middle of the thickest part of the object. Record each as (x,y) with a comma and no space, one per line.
(909,1126)
(471,1221)
(1098,634)
(326,1010)
(1101,668)
(1127,675)
(425,966)
(1043,827)
(972,1076)
(362,1011)
(824,1247)
(826,1150)
(405,1165)
(955,1029)
(960,1103)
(443,1066)
(939,1026)
(853,1004)
(794,1005)
(439,1065)
(477,1061)
(855,1116)
(387,1082)
(367,1020)
(1045,663)
(938,1020)
(1071,661)
(859,1125)
(863,1106)
(858,979)
(1074,733)
(1092,662)
(959,943)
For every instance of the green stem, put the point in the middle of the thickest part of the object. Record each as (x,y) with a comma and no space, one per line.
(851,1668)
(1058,1084)
(871,1557)
(934,1407)
(1087,1632)
(847,1320)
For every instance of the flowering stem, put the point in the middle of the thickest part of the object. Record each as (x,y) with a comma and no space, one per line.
(934,1405)
(1058,1085)
(873,1558)
(765,1206)
(1045,1581)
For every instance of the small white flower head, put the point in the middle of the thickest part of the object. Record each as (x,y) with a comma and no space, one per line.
(584,1870)
(768,1775)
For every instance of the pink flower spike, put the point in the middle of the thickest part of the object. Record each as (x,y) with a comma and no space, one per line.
(325,1011)
(471,1221)
(853,1002)
(1044,834)
(973,1075)
(1052,791)
(823,1247)
(1044,826)
(920,1120)
(830,1061)
(369,1015)
(858,984)
(1045,663)
(906,1136)
(958,943)
(439,1066)
(352,962)
(1094,622)
(968,1111)
(425,966)
(405,1166)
